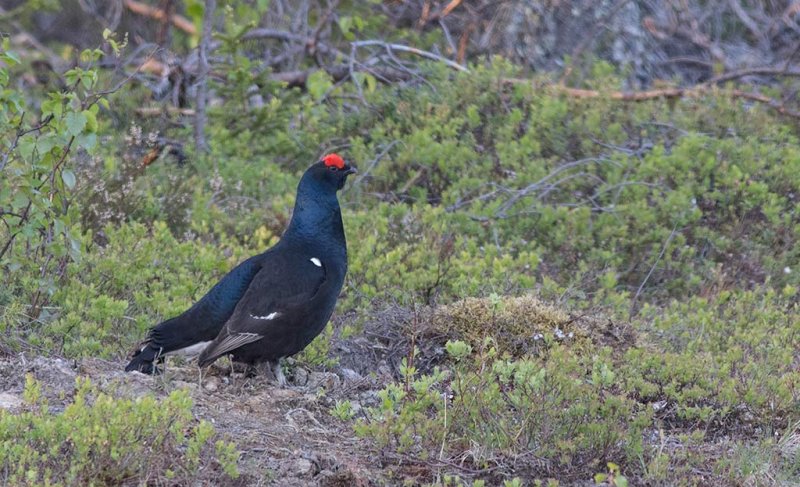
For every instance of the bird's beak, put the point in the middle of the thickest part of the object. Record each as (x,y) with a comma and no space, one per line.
(351,170)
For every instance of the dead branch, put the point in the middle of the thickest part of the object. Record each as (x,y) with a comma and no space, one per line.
(669,93)
(755,71)
(463,42)
(445,11)
(413,50)
(202,78)
(145,10)
(153,66)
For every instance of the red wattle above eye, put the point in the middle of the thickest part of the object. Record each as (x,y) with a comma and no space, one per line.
(334,160)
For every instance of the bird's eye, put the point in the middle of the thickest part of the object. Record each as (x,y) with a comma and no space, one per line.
(333,168)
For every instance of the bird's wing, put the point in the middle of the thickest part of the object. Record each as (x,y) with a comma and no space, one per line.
(284,284)
(229,343)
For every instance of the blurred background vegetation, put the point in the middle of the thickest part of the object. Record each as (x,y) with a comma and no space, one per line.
(575,221)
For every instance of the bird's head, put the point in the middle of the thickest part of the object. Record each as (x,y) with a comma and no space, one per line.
(331,172)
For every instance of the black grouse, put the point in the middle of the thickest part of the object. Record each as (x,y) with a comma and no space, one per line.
(274,304)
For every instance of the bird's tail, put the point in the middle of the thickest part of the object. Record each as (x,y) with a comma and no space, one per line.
(145,358)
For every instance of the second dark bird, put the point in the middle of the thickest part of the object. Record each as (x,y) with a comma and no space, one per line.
(272,305)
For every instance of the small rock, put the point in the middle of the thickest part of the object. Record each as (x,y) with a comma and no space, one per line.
(385,372)
(300,376)
(211,385)
(327,380)
(351,376)
(341,478)
(10,401)
(369,398)
(301,468)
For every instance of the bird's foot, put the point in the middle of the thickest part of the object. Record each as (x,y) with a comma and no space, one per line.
(270,369)
(277,371)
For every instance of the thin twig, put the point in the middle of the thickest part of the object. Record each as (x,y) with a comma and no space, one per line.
(653,267)
(375,161)
(14,142)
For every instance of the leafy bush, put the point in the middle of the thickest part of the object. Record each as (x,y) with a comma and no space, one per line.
(732,361)
(118,291)
(527,415)
(100,440)
(39,234)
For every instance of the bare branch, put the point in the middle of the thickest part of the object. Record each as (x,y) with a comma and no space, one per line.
(178,21)
(202,79)
(413,50)
(672,93)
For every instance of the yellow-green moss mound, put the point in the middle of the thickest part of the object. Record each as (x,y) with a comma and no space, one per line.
(522,324)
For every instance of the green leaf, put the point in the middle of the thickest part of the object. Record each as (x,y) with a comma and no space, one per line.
(345,24)
(46,142)
(55,106)
(88,79)
(318,84)
(11,56)
(195,10)
(91,120)
(26,146)
(72,76)
(87,141)
(371,82)
(76,122)
(69,178)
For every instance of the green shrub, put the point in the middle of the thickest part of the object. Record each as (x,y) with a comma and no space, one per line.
(101,440)
(117,291)
(723,361)
(561,411)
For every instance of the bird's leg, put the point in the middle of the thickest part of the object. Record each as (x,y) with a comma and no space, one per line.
(200,378)
(230,362)
(275,365)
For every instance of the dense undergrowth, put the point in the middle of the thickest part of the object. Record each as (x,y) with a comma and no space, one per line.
(531,228)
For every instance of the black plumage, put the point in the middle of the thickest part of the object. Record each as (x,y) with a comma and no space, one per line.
(274,304)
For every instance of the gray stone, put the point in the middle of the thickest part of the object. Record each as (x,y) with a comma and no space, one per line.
(10,401)
(350,376)
(326,380)
(301,467)
(211,384)
(300,376)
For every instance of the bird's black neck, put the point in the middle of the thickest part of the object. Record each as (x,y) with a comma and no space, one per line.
(317,222)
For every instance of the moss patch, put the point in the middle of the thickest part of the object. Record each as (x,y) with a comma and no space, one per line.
(524,324)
